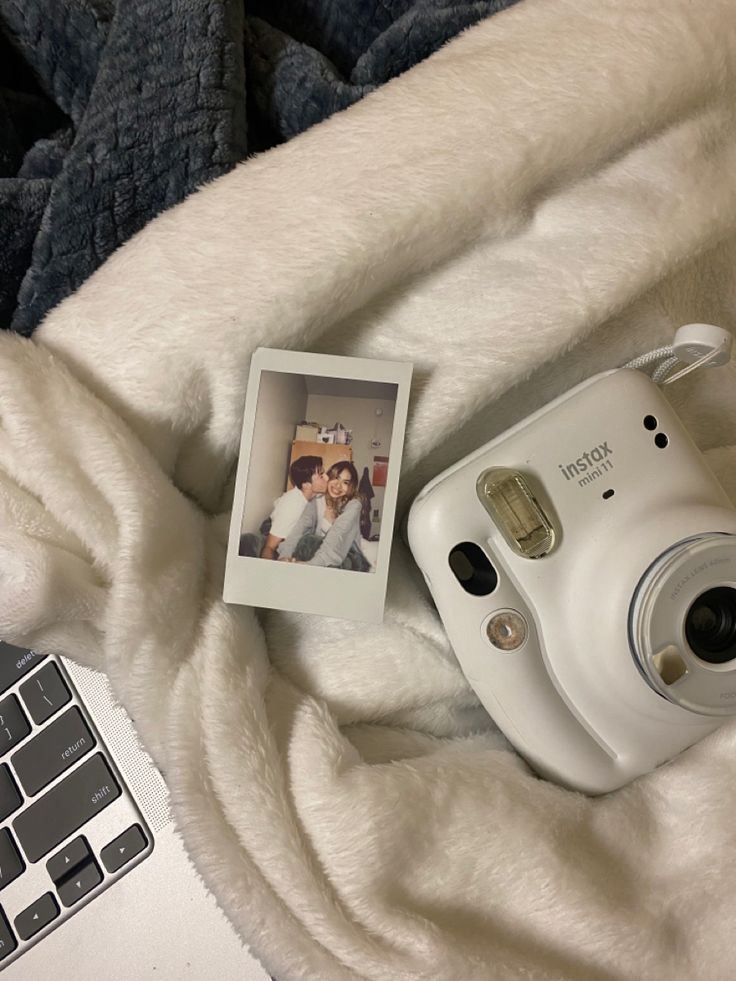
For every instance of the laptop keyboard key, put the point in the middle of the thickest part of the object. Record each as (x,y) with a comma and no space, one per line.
(77,852)
(66,807)
(11,864)
(124,848)
(8,942)
(44,693)
(55,749)
(78,885)
(10,799)
(36,916)
(13,724)
(14,663)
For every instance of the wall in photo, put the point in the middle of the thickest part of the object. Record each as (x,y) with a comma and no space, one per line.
(282,402)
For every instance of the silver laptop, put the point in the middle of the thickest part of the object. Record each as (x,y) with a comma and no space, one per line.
(94,880)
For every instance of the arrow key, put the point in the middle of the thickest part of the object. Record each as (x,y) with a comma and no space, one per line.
(76,852)
(124,848)
(36,916)
(83,880)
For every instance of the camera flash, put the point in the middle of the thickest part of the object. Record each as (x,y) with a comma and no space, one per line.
(507,630)
(507,497)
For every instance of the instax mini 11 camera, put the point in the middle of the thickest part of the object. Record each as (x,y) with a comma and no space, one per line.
(584,566)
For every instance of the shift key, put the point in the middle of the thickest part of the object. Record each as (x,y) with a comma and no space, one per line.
(65,808)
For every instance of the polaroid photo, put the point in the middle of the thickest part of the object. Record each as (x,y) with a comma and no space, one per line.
(316,486)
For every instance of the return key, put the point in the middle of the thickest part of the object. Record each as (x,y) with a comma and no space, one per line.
(53,751)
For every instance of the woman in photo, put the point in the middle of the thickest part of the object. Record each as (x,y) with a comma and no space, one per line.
(328,532)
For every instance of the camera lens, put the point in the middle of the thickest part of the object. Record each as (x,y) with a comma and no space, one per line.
(710,625)
(682,624)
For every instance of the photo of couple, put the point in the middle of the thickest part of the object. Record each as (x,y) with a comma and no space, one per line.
(317,522)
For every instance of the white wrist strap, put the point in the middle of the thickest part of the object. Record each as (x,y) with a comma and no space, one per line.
(695,346)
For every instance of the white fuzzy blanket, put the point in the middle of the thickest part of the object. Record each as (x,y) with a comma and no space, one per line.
(549,195)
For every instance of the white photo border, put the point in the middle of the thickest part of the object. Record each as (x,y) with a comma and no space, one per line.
(298,587)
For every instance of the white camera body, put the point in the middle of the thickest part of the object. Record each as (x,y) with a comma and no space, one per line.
(601,636)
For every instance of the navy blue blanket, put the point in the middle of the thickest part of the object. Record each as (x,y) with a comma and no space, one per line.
(113,110)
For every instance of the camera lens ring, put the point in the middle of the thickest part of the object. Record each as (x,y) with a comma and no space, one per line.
(666,593)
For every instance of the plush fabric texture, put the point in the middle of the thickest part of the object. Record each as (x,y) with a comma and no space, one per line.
(111,111)
(549,195)
(154,105)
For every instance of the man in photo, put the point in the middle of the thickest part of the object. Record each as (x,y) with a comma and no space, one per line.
(308,476)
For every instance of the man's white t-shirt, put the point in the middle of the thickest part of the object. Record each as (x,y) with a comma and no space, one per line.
(286,512)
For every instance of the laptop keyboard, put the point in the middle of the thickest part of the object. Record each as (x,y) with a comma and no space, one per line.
(69,827)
